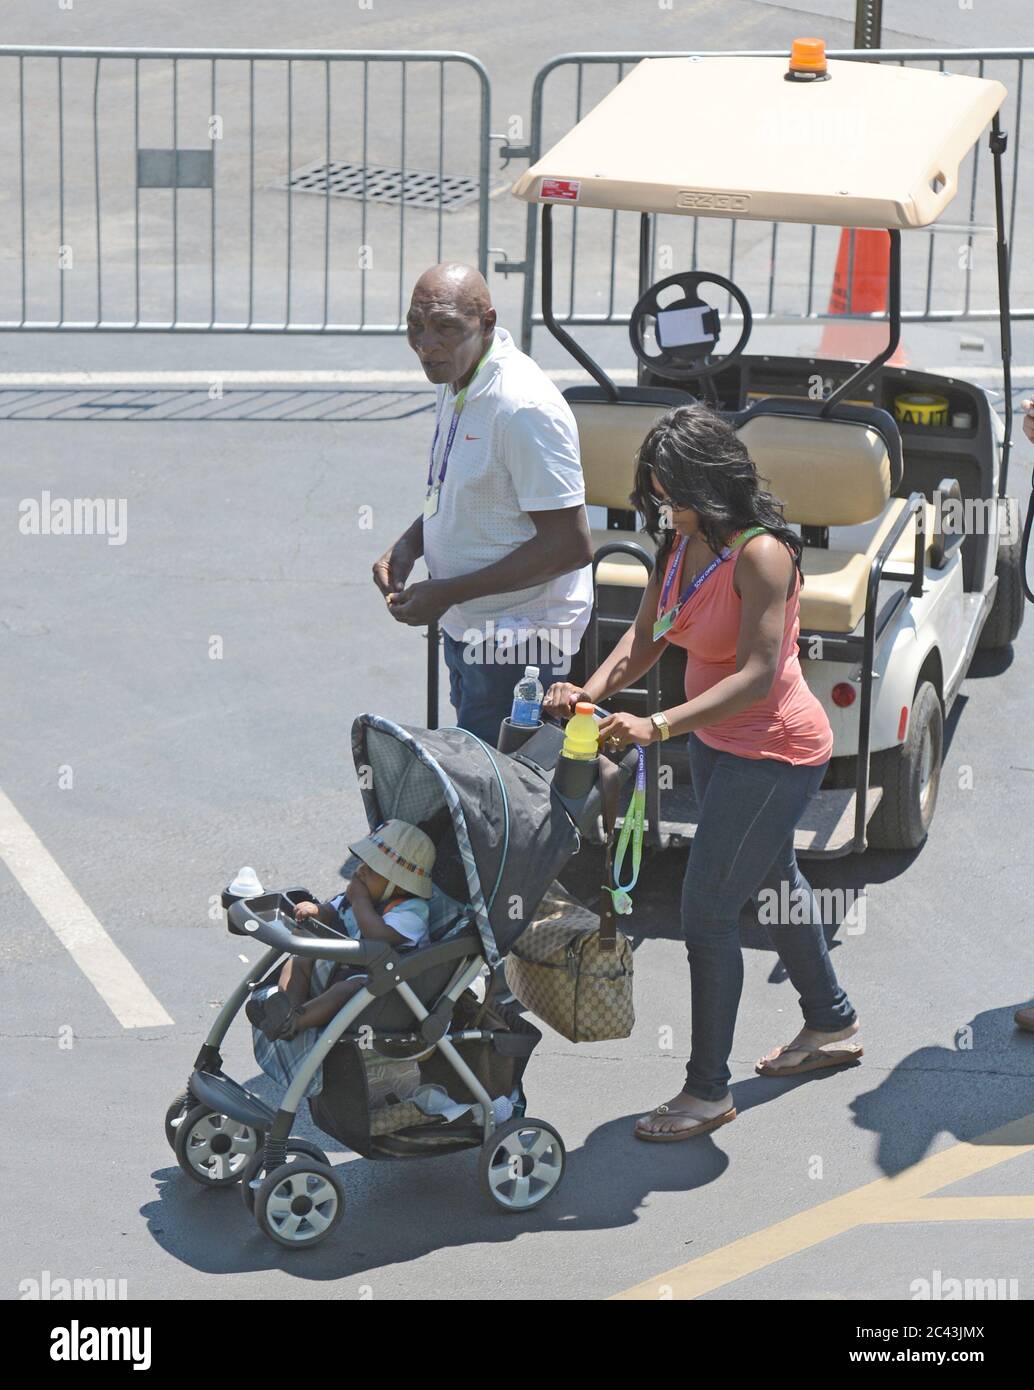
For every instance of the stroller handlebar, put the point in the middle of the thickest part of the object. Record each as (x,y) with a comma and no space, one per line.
(276,933)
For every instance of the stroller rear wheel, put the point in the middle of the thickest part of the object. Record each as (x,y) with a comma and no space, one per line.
(255,1169)
(176,1114)
(213,1149)
(521,1164)
(299,1204)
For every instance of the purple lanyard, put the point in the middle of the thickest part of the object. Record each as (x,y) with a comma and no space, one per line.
(669,579)
(457,410)
(453,426)
(691,588)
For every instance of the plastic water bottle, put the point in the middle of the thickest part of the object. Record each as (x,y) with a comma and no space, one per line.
(527,698)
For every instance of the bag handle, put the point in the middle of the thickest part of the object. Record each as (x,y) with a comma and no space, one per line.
(608,783)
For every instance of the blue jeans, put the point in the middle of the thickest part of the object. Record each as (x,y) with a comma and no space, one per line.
(482,692)
(748,808)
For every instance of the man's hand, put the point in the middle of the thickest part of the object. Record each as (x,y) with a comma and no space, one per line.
(394,567)
(618,731)
(1028,419)
(421,603)
(561,698)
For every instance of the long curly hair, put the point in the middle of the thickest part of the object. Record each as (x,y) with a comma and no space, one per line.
(702,463)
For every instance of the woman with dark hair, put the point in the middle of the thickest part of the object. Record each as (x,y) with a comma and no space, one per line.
(726,588)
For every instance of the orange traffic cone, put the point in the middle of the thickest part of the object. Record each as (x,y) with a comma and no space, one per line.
(860,287)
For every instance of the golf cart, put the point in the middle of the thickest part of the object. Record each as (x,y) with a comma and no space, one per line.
(881,468)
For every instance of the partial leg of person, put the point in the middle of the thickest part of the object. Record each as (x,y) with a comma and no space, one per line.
(790,911)
(319,1011)
(716,964)
(482,679)
(747,809)
(269,1009)
(295,978)
(453,653)
(480,702)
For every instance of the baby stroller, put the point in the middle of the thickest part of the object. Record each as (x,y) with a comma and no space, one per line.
(414,1064)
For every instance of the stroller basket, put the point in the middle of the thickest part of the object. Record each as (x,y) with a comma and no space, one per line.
(365,1097)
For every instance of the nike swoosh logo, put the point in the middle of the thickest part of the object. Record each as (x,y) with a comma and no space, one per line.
(471,436)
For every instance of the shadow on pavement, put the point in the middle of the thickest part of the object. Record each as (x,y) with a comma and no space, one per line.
(913,1104)
(402,1211)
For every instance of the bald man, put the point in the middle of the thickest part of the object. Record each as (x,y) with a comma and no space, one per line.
(503,531)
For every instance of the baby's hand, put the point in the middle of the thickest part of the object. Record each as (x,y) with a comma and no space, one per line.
(303,910)
(357,885)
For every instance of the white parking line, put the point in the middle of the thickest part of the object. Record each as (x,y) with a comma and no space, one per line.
(74,925)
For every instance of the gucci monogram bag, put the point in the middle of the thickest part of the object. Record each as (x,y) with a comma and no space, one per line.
(572,969)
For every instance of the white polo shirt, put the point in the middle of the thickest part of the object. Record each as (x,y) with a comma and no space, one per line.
(515,451)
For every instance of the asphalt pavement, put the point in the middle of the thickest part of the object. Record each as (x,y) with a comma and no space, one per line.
(180,705)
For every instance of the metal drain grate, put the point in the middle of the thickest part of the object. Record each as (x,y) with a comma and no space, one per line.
(377,183)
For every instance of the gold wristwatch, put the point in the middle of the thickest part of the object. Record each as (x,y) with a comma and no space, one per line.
(661,725)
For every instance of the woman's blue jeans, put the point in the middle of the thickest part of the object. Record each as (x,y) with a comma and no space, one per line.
(743,848)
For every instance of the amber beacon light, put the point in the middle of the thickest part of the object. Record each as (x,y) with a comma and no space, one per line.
(807,61)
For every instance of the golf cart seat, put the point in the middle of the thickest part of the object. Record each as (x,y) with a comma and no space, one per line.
(839,474)
(609,435)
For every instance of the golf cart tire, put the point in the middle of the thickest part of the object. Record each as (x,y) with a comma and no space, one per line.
(902,821)
(1006,616)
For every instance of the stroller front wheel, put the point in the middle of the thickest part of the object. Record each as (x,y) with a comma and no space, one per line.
(521,1164)
(255,1170)
(213,1149)
(299,1204)
(176,1114)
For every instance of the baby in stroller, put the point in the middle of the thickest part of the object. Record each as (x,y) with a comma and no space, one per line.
(385,900)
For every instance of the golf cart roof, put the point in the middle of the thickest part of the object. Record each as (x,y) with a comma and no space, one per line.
(873,146)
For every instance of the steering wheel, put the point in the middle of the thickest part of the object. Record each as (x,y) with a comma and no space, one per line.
(686,329)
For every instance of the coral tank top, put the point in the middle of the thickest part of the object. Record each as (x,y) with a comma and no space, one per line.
(789,724)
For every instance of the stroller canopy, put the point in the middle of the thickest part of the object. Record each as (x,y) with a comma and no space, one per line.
(501,837)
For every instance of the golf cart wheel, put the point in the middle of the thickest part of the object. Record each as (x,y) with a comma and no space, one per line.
(910,776)
(300,1203)
(251,1178)
(212,1149)
(175,1115)
(1006,616)
(521,1164)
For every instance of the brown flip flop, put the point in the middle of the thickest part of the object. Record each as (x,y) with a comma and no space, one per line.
(817,1059)
(690,1131)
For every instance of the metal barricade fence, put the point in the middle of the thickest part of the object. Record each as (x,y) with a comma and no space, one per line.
(194,190)
(949,270)
(295,191)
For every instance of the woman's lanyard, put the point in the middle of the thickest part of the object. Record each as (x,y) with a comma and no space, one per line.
(664,622)
(434,488)
(631,829)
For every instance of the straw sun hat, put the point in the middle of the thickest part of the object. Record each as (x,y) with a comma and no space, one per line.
(401,853)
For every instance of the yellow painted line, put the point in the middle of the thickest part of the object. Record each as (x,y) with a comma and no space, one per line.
(962,1209)
(887,1199)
